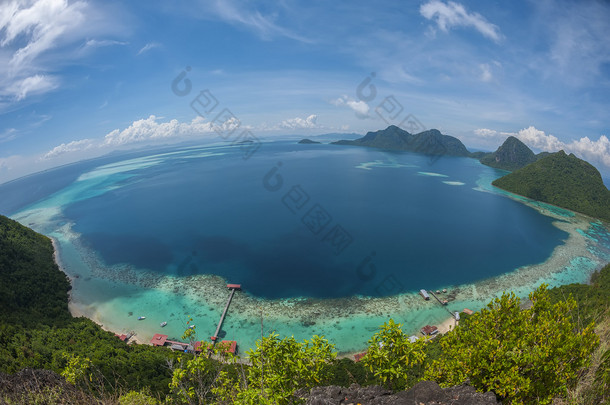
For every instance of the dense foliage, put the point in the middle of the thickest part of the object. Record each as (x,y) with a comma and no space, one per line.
(393,359)
(277,369)
(511,155)
(562,180)
(37,330)
(524,356)
(430,142)
(32,289)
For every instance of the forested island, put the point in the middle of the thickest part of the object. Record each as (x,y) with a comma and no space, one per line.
(563,180)
(555,178)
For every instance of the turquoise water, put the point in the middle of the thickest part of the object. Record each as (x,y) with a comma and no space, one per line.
(324,239)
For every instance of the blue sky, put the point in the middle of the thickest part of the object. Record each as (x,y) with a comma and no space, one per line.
(79,79)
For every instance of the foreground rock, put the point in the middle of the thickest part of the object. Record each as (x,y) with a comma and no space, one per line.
(423,393)
(39,386)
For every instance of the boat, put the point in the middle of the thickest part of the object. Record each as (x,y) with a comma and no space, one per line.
(141,318)
(163,324)
(192,327)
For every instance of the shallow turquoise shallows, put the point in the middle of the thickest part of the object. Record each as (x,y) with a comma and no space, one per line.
(291,223)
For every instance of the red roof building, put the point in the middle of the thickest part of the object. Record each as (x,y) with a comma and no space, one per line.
(234,286)
(359,356)
(231,346)
(158,340)
(429,330)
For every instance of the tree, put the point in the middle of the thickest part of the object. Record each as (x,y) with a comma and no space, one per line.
(278,368)
(524,356)
(283,366)
(391,357)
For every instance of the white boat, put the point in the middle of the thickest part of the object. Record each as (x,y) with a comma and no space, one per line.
(163,324)
(192,327)
(141,318)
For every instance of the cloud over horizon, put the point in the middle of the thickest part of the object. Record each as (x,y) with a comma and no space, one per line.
(596,152)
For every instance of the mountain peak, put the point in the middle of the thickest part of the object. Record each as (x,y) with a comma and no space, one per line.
(430,142)
(511,155)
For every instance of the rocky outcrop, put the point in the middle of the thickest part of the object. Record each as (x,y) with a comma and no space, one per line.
(423,393)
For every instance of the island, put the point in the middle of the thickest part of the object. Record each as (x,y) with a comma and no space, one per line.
(511,155)
(307,141)
(430,142)
(562,180)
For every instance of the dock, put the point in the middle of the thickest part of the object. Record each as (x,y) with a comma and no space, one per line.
(233,288)
(443,303)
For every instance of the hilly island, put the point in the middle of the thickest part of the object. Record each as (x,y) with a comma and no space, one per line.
(555,178)
(563,180)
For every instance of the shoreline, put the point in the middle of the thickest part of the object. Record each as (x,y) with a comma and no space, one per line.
(370,312)
(111,295)
(74,309)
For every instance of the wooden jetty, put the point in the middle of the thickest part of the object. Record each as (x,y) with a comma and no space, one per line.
(443,303)
(233,288)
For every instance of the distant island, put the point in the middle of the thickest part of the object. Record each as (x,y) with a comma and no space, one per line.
(563,180)
(307,141)
(555,178)
(511,155)
(430,142)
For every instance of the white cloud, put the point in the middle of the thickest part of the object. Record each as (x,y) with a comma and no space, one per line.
(73,146)
(300,123)
(579,48)
(8,135)
(236,12)
(360,107)
(148,47)
(451,14)
(486,75)
(32,85)
(486,133)
(8,163)
(592,151)
(536,138)
(150,129)
(96,43)
(36,38)
(41,24)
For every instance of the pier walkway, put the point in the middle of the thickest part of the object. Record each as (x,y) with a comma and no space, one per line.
(233,288)
(444,304)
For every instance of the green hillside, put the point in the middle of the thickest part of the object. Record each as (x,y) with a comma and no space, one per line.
(511,155)
(562,180)
(28,296)
(430,142)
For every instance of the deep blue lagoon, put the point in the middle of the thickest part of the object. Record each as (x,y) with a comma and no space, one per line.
(320,221)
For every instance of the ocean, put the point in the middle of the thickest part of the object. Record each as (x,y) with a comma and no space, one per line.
(324,239)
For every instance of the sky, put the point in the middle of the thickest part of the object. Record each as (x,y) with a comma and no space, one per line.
(80,79)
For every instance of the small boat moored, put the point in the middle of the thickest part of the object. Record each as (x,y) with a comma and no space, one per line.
(141,318)
(163,324)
